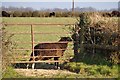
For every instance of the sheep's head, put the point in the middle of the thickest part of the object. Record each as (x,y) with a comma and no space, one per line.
(68,39)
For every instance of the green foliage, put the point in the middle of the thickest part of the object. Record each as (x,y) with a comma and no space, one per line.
(7,48)
(58,14)
(93,70)
(43,14)
(27,14)
(17,14)
(84,20)
(66,14)
(10,73)
(35,14)
(98,36)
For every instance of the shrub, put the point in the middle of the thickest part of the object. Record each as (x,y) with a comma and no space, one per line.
(91,30)
(58,14)
(104,70)
(7,47)
(66,14)
(27,14)
(17,14)
(93,70)
(10,73)
(35,14)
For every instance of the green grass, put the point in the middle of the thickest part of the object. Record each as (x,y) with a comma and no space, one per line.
(39,20)
(101,71)
(10,73)
(85,71)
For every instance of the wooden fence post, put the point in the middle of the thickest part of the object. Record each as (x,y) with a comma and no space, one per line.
(32,39)
(75,37)
(76,45)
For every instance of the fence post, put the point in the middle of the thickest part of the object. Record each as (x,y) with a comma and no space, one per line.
(32,39)
(76,44)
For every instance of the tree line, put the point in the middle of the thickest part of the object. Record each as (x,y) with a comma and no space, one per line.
(56,14)
(30,12)
(42,14)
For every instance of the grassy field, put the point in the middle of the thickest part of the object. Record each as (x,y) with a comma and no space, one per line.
(86,70)
(38,20)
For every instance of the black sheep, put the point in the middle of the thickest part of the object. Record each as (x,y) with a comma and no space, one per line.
(56,45)
(52,14)
(115,13)
(5,14)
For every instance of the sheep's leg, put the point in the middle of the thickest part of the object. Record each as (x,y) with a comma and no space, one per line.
(33,66)
(56,63)
(27,65)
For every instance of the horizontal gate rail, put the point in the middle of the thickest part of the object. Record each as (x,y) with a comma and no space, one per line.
(35,56)
(50,61)
(43,49)
(38,24)
(47,42)
(36,33)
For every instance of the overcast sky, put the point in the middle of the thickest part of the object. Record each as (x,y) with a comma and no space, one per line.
(68,5)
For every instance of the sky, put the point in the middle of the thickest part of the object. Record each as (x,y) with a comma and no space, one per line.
(58,0)
(62,5)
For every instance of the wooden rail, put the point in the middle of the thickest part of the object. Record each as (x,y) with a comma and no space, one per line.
(46,42)
(36,33)
(35,56)
(43,49)
(37,24)
(47,61)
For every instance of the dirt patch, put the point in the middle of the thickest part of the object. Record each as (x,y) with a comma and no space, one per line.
(42,72)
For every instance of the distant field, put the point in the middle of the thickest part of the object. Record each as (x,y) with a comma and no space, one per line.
(39,20)
(23,38)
